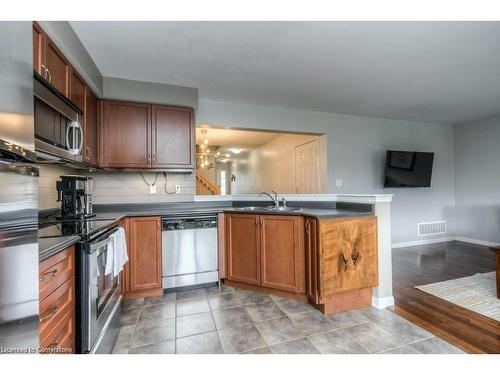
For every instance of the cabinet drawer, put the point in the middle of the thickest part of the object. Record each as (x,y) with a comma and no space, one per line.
(56,270)
(55,307)
(63,336)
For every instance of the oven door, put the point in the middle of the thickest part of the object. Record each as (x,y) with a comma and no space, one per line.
(104,287)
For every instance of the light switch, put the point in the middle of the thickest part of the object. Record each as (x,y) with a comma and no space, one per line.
(152,189)
(338,183)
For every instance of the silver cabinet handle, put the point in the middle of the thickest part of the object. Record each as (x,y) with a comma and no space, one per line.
(45,72)
(49,75)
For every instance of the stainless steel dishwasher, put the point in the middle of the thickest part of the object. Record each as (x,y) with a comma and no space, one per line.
(189,251)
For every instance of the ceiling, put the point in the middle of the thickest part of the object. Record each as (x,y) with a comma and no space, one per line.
(441,72)
(240,139)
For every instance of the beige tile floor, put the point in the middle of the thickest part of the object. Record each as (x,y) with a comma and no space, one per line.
(240,321)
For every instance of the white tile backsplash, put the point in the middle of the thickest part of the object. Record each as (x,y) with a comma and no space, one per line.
(118,187)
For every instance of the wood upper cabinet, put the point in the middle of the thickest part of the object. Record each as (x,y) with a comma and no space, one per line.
(90,149)
(126,135)
(58,68)
(173,137)
(265,250)
(137,135)
(243,248)
(282,253)
(144,253)
(347,255)
(77,90)
(38,49)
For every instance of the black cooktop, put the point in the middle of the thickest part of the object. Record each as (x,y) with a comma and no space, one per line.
(87,229)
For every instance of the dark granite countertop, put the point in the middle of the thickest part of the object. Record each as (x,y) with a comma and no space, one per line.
(319,213)
(318,210)
(53,245)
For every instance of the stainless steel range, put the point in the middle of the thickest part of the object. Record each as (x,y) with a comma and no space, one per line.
(98,289)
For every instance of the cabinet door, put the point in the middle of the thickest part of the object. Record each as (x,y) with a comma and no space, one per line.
(90,133)
(145,253)
(173,137)
(347,255)
(126,135)
(282,258)
(311,249)
(38,49)
(243,248)
(77,90)
(58,67)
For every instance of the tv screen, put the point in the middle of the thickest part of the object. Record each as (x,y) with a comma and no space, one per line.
(408,169)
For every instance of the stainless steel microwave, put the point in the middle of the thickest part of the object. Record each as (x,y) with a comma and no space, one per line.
(58,131)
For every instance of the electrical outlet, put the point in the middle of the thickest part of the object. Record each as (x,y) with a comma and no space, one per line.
(339,183)
(177,189)
(152,189)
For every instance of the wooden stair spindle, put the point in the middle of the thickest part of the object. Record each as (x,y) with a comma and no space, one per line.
(207,186)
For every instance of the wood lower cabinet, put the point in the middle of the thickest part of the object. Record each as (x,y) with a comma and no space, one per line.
(311,253)
(57,303)
(126,135)
(243,248)
(265,250)
(341,262)
(144,249)
(347,255)
(333,262)
(282,253)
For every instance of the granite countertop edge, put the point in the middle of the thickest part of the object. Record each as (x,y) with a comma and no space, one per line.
(311,212)
(50,246)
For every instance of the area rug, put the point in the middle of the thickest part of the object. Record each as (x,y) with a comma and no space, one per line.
(476,293)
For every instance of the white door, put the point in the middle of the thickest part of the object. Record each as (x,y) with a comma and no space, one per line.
(307,168)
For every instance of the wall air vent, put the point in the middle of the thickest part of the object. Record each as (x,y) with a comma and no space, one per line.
(428,229)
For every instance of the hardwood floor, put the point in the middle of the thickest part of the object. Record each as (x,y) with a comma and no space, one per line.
(418,265)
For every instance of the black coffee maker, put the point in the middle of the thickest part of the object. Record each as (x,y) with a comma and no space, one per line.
(75,194)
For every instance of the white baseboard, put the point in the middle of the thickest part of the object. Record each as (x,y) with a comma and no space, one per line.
(443,239)
(477,242)
(422,242)
(382,303)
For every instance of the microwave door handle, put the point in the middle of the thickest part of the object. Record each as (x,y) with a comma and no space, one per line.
(67,136)
(81,138)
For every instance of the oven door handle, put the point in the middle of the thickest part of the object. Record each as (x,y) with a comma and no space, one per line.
(93,246)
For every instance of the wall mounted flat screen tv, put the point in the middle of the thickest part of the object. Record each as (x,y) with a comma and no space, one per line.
(408,169)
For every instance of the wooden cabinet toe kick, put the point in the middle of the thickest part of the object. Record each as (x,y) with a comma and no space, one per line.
(345,301)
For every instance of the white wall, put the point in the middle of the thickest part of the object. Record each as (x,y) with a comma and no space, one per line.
(477,180)
(356,153)
(271,166)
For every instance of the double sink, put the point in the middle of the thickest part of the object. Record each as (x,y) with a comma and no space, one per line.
(268,209)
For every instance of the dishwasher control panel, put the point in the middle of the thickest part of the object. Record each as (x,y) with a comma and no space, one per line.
(189,223)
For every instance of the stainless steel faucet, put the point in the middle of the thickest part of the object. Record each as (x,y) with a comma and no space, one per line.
(274,199)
